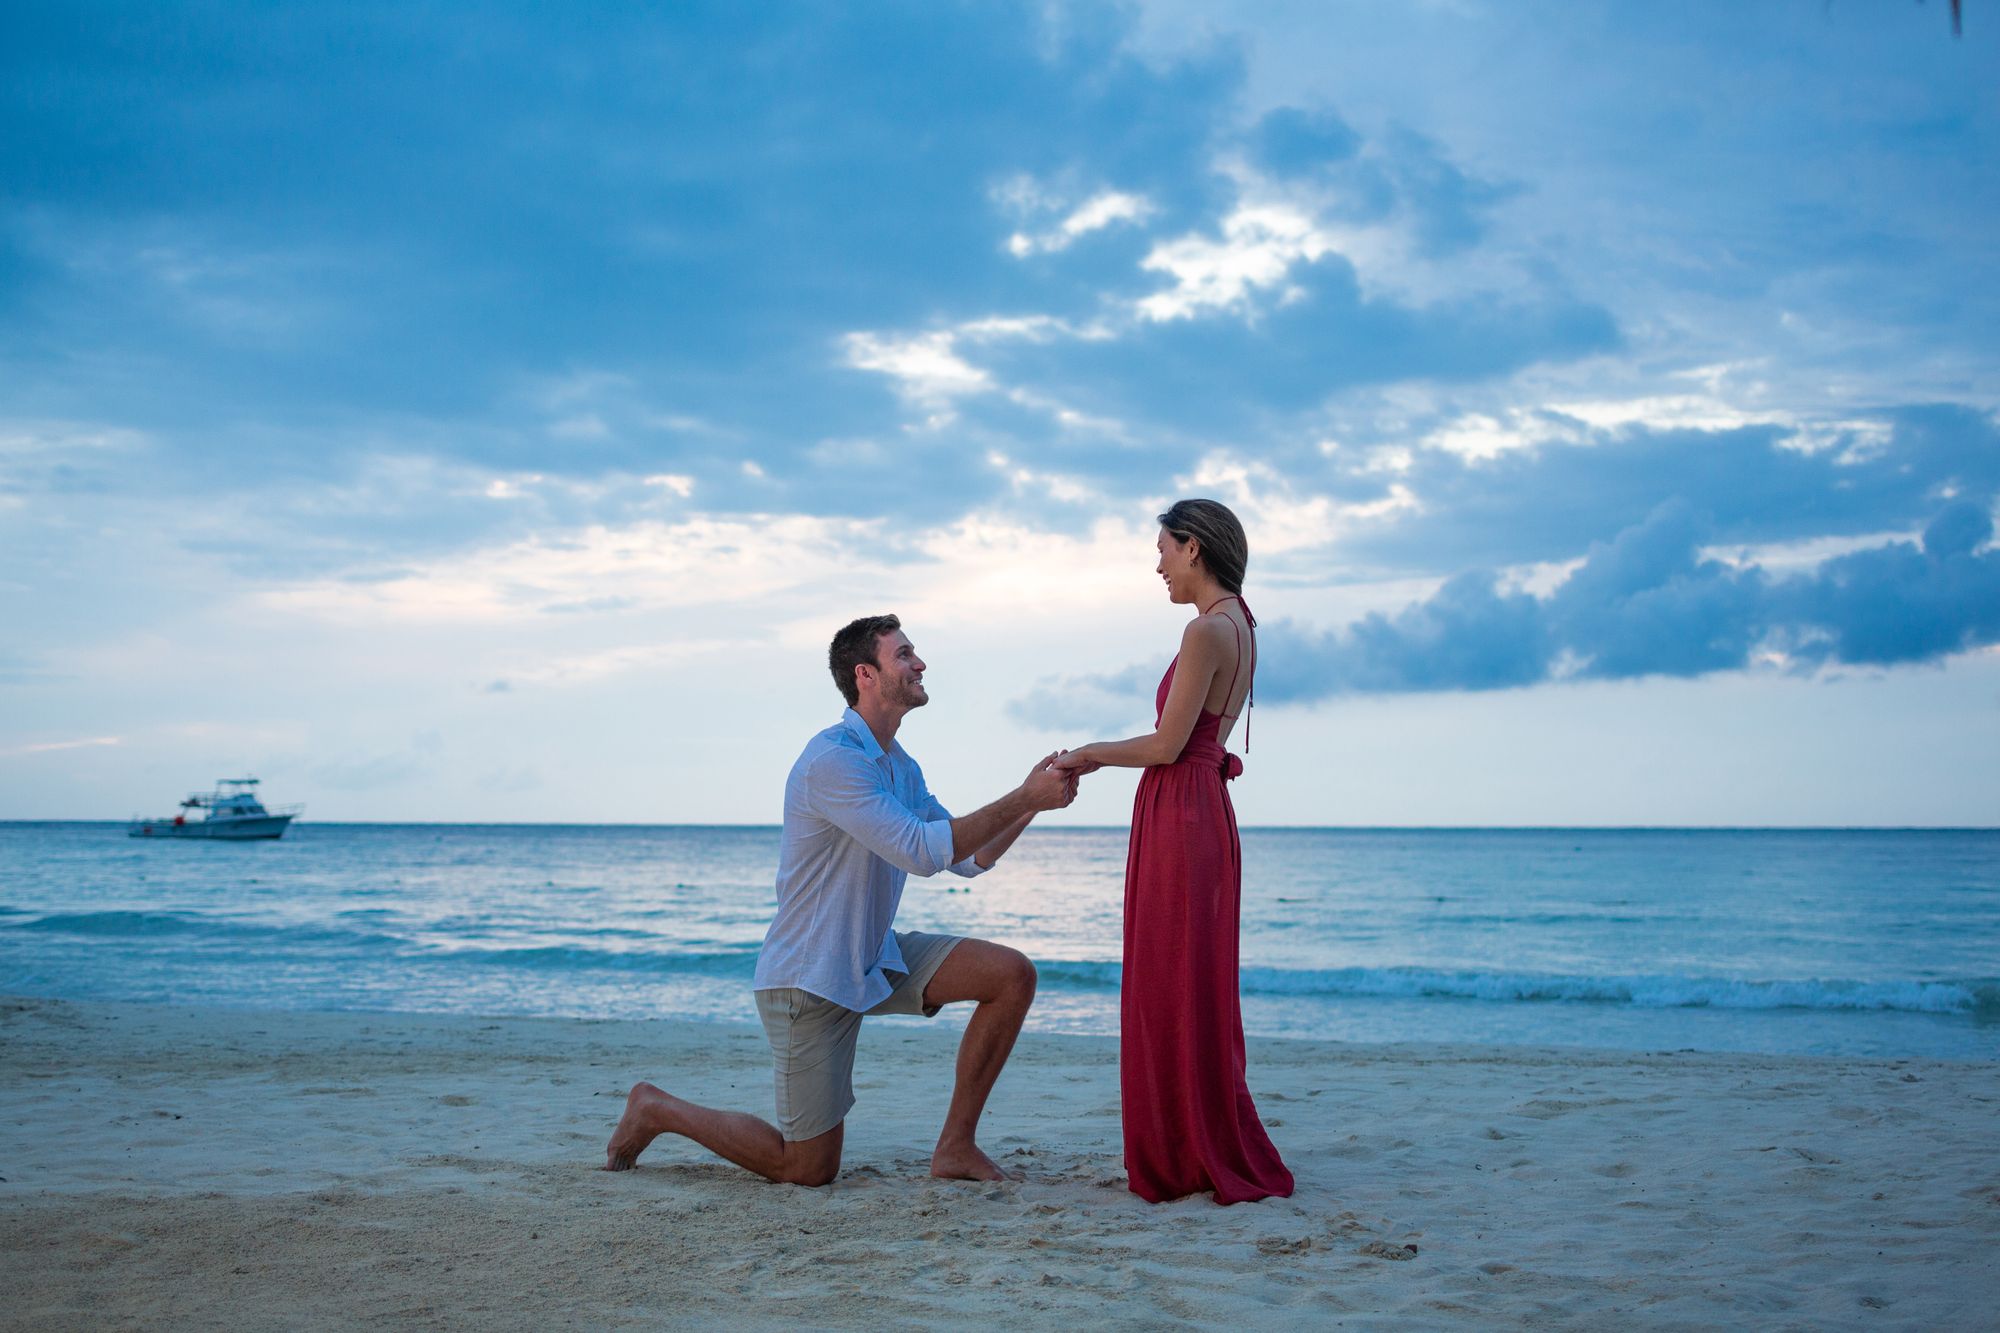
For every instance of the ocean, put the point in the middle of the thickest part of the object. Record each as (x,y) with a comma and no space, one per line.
(1841,942)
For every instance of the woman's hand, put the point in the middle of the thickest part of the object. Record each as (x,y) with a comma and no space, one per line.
(1047,786)
(1077,761)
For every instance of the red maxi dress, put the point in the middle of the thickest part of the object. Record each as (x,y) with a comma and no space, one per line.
(1189,1122)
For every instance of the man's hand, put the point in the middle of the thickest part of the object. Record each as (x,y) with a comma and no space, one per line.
(1048,787)
(991,829)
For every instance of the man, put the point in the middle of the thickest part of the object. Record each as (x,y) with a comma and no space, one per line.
(858,822)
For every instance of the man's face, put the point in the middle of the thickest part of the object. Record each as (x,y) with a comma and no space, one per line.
(900,671)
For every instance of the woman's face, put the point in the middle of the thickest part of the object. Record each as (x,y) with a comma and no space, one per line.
(1176,566)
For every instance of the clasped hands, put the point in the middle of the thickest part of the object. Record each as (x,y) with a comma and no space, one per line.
(1055,778)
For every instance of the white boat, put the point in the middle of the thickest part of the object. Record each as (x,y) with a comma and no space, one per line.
(234,813)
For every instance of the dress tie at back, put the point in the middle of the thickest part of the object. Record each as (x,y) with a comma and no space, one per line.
(1203,750)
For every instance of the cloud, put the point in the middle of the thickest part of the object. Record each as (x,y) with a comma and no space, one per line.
(1649,602)
(1256,252)
(1290,140)
(508,318)
(1447,207)
(1469,635)
(1104,209)
(1565,484)
(925,366)
(1106,703)
(1247,308)
(45,747)
(427,217)
(1904,603)
(572,669)
(506,346)
(651,565)
(330,332)
(1255,340)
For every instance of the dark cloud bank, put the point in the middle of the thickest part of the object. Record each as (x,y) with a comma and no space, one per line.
(1753,484)
(1646,603)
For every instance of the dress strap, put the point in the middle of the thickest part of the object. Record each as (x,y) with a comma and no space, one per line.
(1250,700)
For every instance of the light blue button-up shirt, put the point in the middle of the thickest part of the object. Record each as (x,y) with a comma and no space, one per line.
(859,821)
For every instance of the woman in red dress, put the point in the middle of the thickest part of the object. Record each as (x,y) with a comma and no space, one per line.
(1189,1122)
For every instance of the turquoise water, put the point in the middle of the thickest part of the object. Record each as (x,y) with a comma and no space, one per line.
(1878,943)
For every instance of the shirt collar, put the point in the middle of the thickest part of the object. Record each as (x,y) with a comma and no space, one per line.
(859,726)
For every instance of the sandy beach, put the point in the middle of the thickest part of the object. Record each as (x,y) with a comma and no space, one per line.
(173,1167)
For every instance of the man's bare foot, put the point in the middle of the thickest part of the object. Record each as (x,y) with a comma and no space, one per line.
(964,1161)
(645,1119)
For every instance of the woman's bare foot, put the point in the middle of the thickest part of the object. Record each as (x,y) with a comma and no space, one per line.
(647,1116)
(963,1161)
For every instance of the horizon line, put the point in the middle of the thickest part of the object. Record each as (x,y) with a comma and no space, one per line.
(1103,828)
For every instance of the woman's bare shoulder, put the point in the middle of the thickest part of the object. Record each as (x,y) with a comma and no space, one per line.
(1209,635)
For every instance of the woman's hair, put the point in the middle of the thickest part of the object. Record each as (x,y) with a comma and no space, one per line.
(1224,548)
(855,646)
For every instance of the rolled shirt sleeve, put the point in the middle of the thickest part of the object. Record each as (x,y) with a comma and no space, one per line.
(848,791)
(933,811)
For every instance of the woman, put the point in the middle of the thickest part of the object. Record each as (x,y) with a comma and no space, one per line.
(1189,1122)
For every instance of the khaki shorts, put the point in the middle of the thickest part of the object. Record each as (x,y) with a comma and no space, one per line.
(813,1039)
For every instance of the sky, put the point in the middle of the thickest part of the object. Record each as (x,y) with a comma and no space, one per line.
(489,413)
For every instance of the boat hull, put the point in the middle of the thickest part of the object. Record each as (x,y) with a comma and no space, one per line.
(251,828)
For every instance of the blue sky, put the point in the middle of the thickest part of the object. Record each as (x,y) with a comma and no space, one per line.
(489,414)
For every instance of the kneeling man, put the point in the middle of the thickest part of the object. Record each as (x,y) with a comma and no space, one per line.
(858,822)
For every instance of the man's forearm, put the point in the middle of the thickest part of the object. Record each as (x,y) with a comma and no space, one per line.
(997,848)
(971,833)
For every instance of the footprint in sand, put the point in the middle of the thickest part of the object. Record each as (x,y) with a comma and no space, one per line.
(1346,1224)
(1382,1249)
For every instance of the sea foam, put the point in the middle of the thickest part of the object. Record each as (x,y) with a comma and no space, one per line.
(1957,996)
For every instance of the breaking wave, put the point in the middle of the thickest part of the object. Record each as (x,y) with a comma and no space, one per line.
(1954,996)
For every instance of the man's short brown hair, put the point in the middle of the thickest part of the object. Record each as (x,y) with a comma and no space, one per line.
(855,646)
